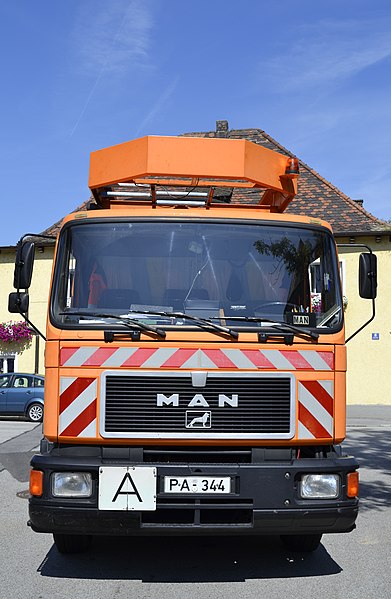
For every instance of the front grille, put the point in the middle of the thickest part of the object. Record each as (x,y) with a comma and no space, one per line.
(264,405)
(198,512)
(197,518)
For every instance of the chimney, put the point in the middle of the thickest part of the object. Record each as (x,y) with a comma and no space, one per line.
(221,128)
(359,202)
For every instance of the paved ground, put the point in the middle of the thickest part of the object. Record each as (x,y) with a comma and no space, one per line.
(11,428)
(368,416)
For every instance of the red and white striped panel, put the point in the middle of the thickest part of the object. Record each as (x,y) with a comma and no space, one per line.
(316,409)
(174,357)
(78,402)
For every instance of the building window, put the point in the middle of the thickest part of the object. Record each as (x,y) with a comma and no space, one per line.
(7,363)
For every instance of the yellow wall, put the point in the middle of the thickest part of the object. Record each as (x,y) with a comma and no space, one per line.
(368,360)
(25,361)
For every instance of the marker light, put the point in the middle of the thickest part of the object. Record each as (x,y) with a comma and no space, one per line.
(292,166)
(36,483)
(319,486)
(71,484)
(353,484)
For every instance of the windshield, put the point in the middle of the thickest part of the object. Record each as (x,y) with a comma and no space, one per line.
(237,274)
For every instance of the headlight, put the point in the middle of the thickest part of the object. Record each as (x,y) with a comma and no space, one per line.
(319,486)
(71,484)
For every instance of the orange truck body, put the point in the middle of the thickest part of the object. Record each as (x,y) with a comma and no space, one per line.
(265,493)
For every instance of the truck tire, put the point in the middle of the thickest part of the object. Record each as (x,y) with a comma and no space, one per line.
(72,543)
(301,543)
(35,412)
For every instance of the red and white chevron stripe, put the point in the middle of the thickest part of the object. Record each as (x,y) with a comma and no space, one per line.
(174,357)
(316,409)
(78,404)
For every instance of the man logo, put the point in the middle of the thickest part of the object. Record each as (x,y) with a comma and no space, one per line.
(301,319)
(198,401)
(198,420)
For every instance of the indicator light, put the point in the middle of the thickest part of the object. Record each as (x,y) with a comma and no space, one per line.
(36,483)
(292,166)
(353,484)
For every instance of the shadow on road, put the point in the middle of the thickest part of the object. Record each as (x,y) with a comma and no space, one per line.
(16,453)
(372,449)
(185,560)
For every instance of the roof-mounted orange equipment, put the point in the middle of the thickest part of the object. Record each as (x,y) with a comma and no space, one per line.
(147,169)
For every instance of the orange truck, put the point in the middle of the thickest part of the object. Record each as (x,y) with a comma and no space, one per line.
(195,353)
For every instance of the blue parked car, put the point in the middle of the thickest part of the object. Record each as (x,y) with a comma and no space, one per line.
(22,394)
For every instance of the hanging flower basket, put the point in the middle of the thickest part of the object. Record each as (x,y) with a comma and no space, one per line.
(15,337)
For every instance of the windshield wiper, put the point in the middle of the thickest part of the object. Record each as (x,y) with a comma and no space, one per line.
(128,322)
(283,326)
(280,326)
(203,323)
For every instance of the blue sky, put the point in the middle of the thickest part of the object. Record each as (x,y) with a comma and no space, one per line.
(79,75)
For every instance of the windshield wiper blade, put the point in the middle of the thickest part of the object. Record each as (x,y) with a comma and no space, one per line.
(280,326)
(128,322)
(283,326)
(203,323)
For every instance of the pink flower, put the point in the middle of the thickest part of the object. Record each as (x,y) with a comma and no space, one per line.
(15,331)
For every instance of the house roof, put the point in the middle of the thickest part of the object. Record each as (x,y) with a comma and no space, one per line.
(316,196)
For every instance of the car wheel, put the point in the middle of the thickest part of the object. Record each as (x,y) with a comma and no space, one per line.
(72,543)
(35,412)
(301,543)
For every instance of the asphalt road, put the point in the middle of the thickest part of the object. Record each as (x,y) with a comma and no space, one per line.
(355,565)
(11,428)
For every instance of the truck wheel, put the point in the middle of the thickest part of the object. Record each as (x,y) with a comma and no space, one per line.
(35,412)
(301,543)
(72,543)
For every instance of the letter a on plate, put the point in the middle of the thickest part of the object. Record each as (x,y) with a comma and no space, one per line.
(127,488)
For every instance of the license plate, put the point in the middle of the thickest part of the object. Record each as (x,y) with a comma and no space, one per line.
(197,484)
(127,488)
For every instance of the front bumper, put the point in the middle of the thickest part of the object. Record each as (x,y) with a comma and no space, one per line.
(263,522)
(264,500)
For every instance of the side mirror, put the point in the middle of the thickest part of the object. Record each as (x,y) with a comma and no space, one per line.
(24,262)
(367,276)
(18,303)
